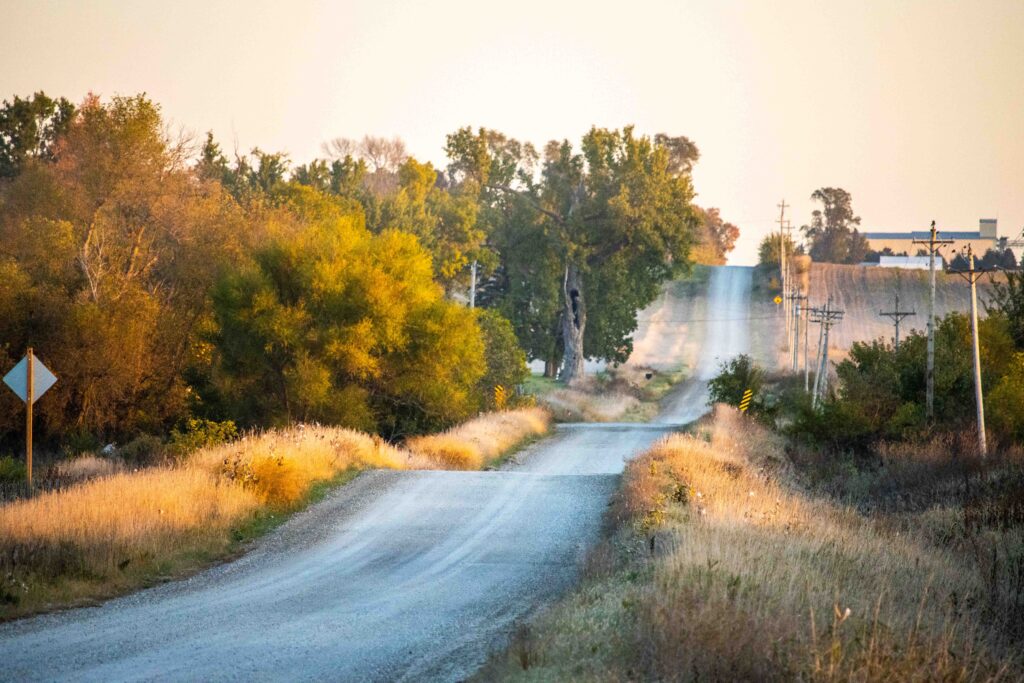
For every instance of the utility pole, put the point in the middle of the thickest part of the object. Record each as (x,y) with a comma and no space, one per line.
(817,316)
(796,298)
(934,244)
(897,316)
(472,286)
(807,367)
(972,276)
(782,260)
(826,317)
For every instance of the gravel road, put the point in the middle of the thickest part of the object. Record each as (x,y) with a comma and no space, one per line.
(399,575)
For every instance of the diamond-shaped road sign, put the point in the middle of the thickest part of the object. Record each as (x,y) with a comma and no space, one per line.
(42,378)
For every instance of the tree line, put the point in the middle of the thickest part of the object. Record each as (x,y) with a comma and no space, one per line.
(833,236)
(163,280)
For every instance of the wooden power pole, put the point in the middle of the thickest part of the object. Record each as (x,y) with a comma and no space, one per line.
(796,298)
(934,244)
(826,317)
(782,262)
(972,275)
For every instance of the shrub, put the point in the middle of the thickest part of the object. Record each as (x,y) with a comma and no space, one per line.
(734,378)
(506,361)
(200,433)
(11,471)
(143,450)
(1005,403)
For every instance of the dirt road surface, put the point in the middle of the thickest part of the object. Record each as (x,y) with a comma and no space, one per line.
(399,575)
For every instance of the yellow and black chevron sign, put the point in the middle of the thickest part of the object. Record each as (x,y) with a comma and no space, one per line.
(745,403)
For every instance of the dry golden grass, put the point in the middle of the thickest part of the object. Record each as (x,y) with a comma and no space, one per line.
(85,467)
(280,466)
(585,406)
(721,570)
(119,530)
(476,443)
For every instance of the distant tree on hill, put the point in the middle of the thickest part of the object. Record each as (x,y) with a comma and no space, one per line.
(768,251)
(716,237)
(1000,258)
(832,233)
(959,262)
(29,129)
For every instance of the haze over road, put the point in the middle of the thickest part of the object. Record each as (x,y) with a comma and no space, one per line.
(414,575)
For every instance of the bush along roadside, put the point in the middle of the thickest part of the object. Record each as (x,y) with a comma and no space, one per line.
(717,565)
(122,529)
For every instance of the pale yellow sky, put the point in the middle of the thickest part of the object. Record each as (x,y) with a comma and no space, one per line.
(916,108)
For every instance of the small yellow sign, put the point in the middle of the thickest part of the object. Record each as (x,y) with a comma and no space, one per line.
(745,402)
(777,300)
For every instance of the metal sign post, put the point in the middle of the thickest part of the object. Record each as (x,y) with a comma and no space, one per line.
(29,379)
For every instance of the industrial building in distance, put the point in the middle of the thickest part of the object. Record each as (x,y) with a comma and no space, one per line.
(902,243)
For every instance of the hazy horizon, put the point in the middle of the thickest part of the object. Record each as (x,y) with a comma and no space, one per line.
(913,107)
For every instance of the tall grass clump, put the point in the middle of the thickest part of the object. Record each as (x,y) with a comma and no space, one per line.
(476,443)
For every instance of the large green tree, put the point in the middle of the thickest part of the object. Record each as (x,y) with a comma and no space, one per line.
(615,215)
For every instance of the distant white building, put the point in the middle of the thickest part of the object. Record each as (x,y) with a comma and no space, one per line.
(981,240)
(908,262)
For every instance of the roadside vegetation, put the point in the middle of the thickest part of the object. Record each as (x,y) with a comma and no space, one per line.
(729,558)
(484,441)
(877,393)
(184,296)
(109,528)
(852,541)
(623,394)
(164,281)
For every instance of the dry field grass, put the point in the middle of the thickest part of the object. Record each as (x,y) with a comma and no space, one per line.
(478,443)
(719,568)
(862,292)
(122,529)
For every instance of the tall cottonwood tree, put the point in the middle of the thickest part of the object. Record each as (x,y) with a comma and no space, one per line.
(833,233)
(615,214)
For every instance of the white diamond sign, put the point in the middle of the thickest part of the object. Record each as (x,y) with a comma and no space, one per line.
(42,379)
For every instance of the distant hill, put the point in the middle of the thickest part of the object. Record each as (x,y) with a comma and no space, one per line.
(862,291)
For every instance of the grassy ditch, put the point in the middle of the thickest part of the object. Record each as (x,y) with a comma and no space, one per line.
(124,529)
(719,565)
